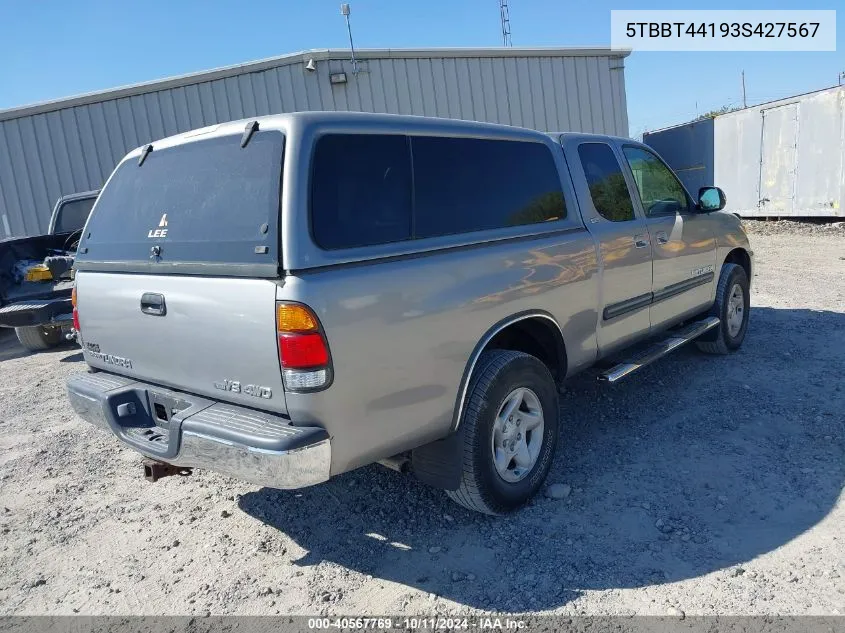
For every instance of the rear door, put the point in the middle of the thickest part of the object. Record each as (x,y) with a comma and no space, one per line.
(178,268)
(683,245)
(779,160)
(623,241)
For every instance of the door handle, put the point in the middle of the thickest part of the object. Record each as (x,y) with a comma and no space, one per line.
(640,241)
(662,238)
(153,303)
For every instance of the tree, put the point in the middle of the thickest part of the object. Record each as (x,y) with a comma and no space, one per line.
(714,113)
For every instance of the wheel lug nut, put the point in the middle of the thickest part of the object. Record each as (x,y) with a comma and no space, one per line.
(510,418)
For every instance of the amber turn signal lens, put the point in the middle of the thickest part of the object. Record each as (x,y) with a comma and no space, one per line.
(73,297)
(291,317)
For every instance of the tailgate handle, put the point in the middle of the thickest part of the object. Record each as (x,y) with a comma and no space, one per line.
(153,303)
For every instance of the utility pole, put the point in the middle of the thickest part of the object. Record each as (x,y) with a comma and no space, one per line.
(744,102)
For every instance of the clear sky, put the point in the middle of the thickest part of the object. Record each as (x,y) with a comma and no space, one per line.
(55,49)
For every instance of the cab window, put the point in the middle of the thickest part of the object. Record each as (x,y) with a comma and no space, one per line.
(73,214)
(608,190)
(660,191)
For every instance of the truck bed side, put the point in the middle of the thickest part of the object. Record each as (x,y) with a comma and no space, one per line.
(402,333)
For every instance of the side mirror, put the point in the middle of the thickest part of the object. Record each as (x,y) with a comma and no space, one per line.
(711,199)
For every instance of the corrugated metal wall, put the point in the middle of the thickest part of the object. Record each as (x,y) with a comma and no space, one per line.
(72,145)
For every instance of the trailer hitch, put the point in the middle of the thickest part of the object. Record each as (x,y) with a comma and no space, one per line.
(153,471)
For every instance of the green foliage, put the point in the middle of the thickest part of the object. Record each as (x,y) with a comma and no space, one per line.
(714,113)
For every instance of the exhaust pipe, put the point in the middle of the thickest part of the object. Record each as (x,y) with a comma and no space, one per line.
(153,470)
(400,463)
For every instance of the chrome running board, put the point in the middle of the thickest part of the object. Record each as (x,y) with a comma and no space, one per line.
(658,350)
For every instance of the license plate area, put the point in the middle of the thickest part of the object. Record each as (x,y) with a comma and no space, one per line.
(165,407)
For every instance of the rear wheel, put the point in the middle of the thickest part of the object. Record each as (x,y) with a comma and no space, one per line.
(510,428)
(732,306)
(38,338)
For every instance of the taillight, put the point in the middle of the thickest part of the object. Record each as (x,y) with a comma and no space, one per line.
(75,311)
(303,350)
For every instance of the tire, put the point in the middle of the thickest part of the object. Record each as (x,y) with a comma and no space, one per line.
(38,338)
(498,376)
(726,338)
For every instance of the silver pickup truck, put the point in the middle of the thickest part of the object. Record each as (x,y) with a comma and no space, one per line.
(289,298)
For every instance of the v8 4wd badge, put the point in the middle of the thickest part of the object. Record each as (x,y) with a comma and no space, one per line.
(235,386)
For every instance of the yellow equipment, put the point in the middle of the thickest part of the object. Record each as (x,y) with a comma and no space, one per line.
(39,272)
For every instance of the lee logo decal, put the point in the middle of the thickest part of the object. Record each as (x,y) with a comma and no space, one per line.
(159,232)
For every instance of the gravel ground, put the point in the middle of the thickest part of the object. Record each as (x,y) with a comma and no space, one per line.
(708,485)
(794,227)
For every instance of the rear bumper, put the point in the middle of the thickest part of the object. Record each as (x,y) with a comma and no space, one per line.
(190,431)
(37,312)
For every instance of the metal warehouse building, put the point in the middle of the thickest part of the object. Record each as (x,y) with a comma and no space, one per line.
(784,158)
(70,145)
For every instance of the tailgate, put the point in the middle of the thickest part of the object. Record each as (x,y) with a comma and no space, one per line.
(213,336)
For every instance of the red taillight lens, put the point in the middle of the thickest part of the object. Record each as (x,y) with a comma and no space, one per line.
(302,351)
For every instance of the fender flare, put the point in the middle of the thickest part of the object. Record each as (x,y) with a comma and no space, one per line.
(438,463)
(460,403)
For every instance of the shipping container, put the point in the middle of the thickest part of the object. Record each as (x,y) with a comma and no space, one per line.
(785,158)
(51,149)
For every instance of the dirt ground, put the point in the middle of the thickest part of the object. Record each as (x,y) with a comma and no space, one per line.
(708,485)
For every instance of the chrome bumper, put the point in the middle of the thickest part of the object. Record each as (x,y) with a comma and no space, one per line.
(260,448)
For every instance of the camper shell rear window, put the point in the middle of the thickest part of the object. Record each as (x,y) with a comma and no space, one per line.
(204,206)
